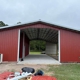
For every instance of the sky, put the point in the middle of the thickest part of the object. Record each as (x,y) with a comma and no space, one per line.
(65,13)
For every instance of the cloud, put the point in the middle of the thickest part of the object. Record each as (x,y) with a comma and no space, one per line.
(70,17)
(63,12)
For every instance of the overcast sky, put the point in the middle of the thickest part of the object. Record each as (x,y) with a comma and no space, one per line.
(59,12)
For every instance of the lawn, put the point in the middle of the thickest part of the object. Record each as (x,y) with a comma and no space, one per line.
(61,72)
(64,72)
(35,52)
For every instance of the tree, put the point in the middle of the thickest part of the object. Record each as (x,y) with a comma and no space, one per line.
(37,45)
(3,24)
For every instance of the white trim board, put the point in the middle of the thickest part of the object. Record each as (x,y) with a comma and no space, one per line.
(1,58)
(59,45)
(18,45)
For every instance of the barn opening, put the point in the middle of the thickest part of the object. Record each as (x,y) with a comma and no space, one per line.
(50,36)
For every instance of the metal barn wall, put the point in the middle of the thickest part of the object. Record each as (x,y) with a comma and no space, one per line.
(69,46)
(26,44)
(9,44)
(69,43)
(51,48)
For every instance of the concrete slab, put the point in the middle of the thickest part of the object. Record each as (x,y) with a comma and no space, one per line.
(39,59)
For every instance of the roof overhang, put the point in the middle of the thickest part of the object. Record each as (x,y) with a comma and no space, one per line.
(42,22)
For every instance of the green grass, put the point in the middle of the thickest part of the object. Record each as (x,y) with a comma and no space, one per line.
(65,72)
(35,52)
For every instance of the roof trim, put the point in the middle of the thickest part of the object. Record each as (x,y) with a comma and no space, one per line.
(5,27)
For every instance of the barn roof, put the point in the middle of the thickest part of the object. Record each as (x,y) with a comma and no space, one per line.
(17,25)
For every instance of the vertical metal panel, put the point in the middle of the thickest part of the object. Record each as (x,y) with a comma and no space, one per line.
(70,46)
(51,48)
(21,45)
(26,45)
(9,44)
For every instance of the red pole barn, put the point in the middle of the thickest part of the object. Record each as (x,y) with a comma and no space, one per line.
(15,40)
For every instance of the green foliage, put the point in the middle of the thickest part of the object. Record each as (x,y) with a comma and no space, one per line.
(3,24)
(37,45)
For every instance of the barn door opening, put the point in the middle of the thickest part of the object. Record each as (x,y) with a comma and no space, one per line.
(50,36)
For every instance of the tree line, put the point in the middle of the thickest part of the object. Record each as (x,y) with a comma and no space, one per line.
(3,24)
(37,45)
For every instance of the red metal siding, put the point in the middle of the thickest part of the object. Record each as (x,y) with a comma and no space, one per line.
(69,46)
(38,26)
(69,43)
(9,44)
(26,45)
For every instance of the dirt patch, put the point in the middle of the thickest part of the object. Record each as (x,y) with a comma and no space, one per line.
(17,67)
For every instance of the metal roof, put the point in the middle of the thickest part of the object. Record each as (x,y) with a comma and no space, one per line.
(45,34)
(4,27)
